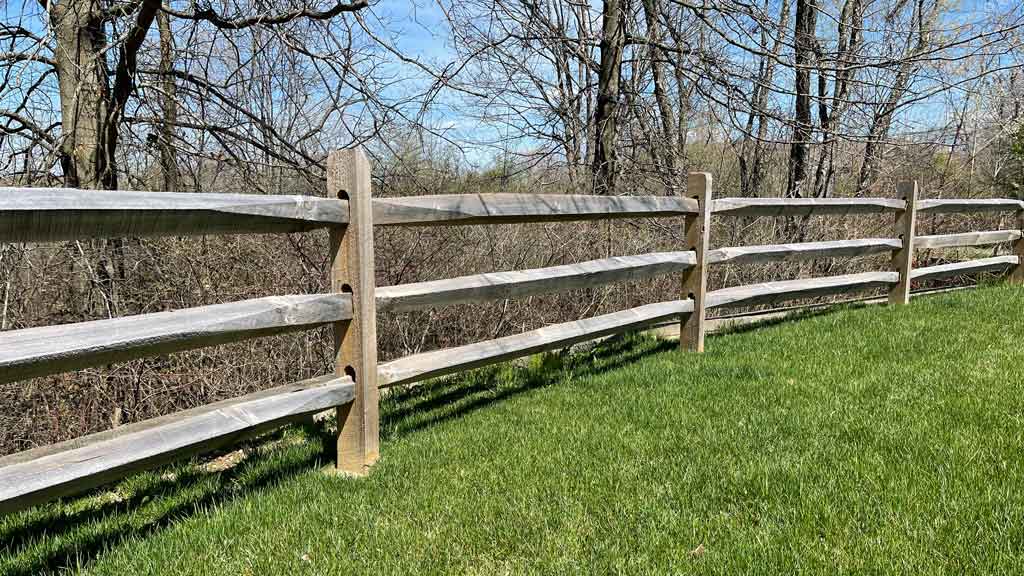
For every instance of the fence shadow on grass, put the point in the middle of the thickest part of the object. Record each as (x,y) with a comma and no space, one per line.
(58,536)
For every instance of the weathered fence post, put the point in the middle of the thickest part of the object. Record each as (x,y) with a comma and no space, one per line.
(1017,274)
(695,280)
(903,259)
(355,341)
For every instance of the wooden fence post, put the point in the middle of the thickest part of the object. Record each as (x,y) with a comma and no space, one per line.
(355,341)
(1017,274)
(695,280)
(903,259)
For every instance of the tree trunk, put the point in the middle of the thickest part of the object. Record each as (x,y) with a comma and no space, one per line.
(84,93)
(652,13)
(613,41)
(803,129)
(168,159)
(753,151)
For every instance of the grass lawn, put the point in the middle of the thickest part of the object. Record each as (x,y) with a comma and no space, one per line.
(866,440)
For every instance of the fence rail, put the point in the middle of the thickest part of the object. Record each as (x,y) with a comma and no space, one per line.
(32,352)
(966,239)
(52,214)
(49,472)
(517,208)
(349,213)
(805,206)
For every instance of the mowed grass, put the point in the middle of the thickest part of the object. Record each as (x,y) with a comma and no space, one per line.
(861,440)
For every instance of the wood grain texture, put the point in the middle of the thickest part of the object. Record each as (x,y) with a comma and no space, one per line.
(510,208)
(803,251)
(1017,274)
(996,264)
(966,239)
(54,214)
(905,228)
(39,475)
(521,283)
(355,341)
(804,206)
(697,233)
(32,352)
(965,205)
(791,289)
(450,360)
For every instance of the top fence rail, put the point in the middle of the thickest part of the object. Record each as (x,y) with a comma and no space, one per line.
(57,214)
(805,206)
(511,208)
(54,214)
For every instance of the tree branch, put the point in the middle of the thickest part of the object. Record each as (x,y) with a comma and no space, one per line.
(208,15)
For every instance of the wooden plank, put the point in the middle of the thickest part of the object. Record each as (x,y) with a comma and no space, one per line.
(695,280)
(440,362)
(49,472)
(964,205)
(510,208)
(1017,274)
(803,288)
(355,341)
(966,239)
(804,206)
(803,251)
(522,283)
(903,258)
(54,214)
(32,352)
(994,264)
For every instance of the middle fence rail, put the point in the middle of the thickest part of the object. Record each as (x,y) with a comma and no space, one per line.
(349,214)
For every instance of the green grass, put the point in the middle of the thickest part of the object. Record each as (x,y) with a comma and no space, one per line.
(862,440)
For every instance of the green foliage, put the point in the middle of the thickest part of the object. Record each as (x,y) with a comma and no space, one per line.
(862,440)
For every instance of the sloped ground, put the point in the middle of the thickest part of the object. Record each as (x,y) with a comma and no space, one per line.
(860,440)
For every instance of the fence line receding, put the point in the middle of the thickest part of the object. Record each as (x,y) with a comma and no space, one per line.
(349,214)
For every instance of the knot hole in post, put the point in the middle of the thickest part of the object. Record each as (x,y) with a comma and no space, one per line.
(350,372)
(346,289)
(342,194)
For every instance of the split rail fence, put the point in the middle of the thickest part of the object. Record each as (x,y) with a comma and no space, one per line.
(349,213)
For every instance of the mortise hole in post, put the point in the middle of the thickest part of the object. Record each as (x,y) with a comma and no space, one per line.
(350,372)
(343,194)
(346,289)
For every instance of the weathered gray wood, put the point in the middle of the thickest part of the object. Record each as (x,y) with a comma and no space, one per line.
(966,239)
(964,205)
(521,283)
(39,475)
(904,227)
(804,288)
(803,251)
(52,214)
(1017,274)
(440,362)
(994,264)
(32,352)
(804,206)
(355,341)
(697,233)
(507,208)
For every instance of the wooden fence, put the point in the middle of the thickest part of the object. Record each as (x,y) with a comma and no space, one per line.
(349,214)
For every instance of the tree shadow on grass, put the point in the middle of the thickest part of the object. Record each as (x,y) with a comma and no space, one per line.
(61,535)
